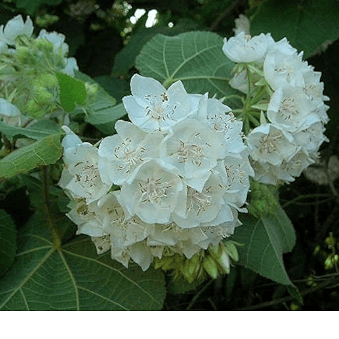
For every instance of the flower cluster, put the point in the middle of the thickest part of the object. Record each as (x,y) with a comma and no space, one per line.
(171,181)
(284,104)
(28,85)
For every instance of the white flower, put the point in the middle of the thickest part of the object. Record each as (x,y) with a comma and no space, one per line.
(271,143)
(153,194)
(71,66)
(80,176)
(60,47)
(121,155)
(9,113)
(288,170)
(222,120)
(243,48)
(57,40)
(192,150)
(289,107)
(203,207)
(283,66)
(242,24)
(153,108)
(14,28)
(312,135)
(235,171)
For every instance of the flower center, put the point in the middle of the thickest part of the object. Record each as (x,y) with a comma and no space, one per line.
(197,200)
(288,109)
(89,175)
(268,143)
(190,151)
(154,191)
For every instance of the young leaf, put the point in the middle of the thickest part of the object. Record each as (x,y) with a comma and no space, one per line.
(308,27)
(195,58)
(74,277)
(72,91)
(265,240)
(7,241)
(37,131)
(46,151)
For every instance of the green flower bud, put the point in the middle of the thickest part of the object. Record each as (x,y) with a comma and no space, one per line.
(224,262)
(43,45)
(91,89)
(42,96)
(231,250)
(47,80)
(210,267)
(263,199)
(34,109)
(23,54)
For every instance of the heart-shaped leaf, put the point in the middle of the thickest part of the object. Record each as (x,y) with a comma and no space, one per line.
(48,276)
(195,58)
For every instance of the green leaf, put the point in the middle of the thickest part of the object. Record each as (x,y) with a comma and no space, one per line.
(195,58)
(7,241)
(310,26)
(125,59)
(265,240)
(74,277)
(102,112)
(37,131)
(46,151)
(72,91)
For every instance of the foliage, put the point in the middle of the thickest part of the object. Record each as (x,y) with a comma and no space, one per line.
(289,252)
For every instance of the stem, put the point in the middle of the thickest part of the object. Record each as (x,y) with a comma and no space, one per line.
(288,298)
(47,206)
(197,295)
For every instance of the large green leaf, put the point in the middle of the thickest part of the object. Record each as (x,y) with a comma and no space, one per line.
(46,151)
(265,240)
(7,241)
(45,276)
(37,131)
(309,25)
(195,58)
(125,59)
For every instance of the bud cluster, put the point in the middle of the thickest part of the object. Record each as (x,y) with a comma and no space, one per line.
(169,184)
(27,71)
(284,112)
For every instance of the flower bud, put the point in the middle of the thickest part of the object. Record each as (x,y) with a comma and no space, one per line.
(42,96)
(224,262)
(210,267)
(43,44)
(22,54)
(34,109)
(231,250)
(47,80)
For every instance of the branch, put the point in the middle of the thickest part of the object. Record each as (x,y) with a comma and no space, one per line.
(227,12)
